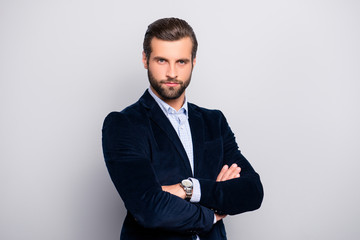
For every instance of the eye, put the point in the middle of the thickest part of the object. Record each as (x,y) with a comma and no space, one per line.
(161,60)
(182,62)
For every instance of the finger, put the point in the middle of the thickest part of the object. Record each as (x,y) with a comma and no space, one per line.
(221,174)
(235,173)
(229,172)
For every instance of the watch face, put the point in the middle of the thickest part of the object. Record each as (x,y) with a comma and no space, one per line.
(186,183)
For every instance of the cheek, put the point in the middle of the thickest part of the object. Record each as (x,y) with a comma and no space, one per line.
(157,71)
(186,72)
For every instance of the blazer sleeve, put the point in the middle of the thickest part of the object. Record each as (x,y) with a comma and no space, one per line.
(126,154)
(237,195)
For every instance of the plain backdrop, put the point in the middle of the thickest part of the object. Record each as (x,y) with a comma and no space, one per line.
(285,73)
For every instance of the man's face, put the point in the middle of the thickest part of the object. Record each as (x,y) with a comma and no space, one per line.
(169,67)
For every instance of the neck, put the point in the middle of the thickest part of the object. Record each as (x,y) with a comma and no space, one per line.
(176,103)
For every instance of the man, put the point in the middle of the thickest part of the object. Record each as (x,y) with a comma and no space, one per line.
(175,165)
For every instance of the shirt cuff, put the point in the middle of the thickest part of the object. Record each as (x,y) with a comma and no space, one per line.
(214,218)
(195,198)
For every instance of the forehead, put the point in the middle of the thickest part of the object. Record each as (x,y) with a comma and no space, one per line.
(171,49)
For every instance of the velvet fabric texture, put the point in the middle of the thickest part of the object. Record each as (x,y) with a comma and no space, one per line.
(143,152)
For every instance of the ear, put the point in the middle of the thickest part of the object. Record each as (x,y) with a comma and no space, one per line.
(194,62)
(144,60)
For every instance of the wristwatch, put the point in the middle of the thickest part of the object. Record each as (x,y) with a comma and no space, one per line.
(187,185)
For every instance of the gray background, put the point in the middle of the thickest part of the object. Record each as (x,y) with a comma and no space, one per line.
(285,73)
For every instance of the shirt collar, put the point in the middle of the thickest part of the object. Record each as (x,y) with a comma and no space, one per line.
(166,108)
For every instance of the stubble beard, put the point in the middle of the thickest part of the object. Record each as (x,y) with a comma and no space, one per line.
(168,93)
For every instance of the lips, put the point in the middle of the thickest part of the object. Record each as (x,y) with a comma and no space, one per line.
(171,84)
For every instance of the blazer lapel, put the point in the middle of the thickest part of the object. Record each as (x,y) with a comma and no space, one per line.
(197,135)
(158,116)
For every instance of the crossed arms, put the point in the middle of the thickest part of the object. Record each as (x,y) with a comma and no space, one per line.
(226,173)
(155,206)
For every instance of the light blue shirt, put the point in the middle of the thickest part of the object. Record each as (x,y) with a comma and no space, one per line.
(180,121)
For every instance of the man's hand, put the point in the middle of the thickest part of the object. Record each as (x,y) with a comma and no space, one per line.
(175,189)
(219,217)
(227,173)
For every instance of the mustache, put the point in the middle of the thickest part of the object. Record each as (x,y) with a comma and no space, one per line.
(171,80)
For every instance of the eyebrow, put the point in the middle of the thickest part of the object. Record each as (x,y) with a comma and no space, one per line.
(156,58)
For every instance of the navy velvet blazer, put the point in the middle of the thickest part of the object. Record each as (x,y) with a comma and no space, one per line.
(142,152)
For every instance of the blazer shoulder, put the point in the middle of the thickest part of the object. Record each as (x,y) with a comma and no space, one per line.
(206,112)
(134,114)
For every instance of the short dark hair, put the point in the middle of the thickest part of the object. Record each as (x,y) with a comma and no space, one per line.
(169,29)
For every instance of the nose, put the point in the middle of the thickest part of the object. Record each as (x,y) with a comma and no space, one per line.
(171,71)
